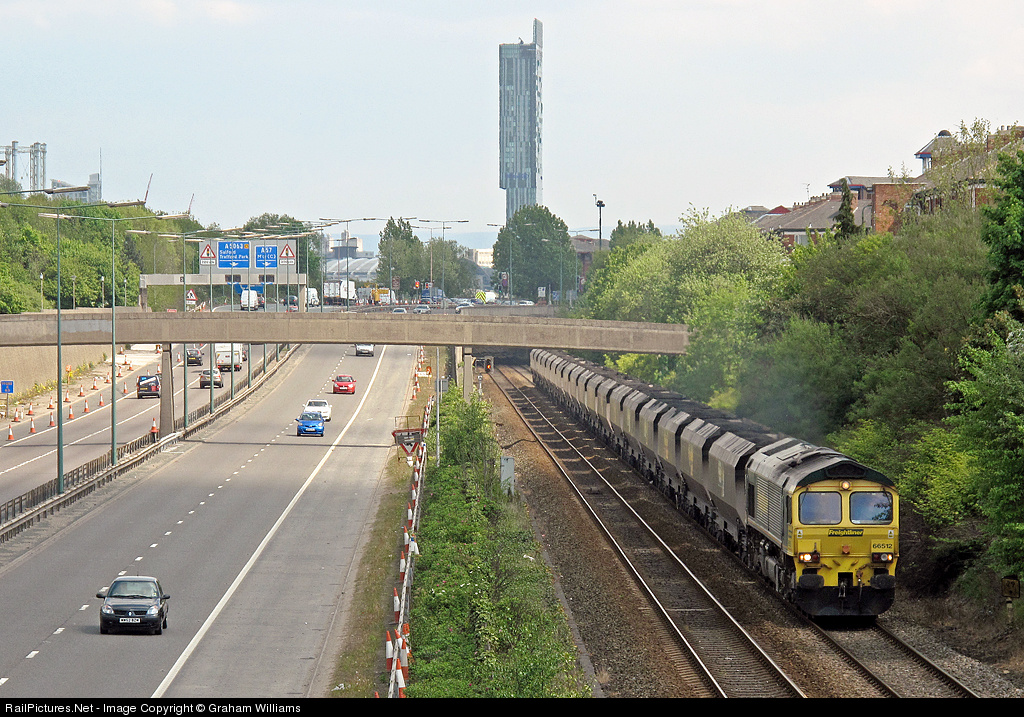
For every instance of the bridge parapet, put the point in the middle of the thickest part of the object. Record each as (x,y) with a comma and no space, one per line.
(133,326)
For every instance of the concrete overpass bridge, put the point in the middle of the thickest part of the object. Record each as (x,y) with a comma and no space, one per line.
(88,326)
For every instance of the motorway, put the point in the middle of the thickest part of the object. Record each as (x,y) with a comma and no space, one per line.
(30,459)
(253,531)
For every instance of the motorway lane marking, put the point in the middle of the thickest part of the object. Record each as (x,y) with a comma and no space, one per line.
(32,654)
(194,642)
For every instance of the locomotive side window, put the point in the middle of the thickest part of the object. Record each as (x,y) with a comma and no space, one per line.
(820,508)
(871,508)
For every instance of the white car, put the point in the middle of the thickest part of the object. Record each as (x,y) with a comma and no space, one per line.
(364,349)
(318,405)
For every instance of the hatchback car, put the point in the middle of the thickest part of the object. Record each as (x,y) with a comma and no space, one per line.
(399,310)
(204,378)
(364,349)
(344,384)
(147,386)
(134,602)
(193,357)
(318,405)
(310,423)
(421,309)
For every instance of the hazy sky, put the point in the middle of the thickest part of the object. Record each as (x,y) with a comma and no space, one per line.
(330,108)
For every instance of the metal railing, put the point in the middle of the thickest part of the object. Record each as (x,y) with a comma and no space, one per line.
(24,511)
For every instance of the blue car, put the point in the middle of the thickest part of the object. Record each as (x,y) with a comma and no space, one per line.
(310,423)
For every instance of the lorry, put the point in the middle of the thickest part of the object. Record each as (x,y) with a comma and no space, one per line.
(229,356)
(381,296)
(312,297)
(250,300)
(338,293)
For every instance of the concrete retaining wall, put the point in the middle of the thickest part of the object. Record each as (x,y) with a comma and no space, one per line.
(29,365)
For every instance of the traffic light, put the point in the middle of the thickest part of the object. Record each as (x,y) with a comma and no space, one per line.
(488,363)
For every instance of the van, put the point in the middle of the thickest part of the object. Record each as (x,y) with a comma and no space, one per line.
(228,359)
(312,297)
(147,386)
(250,300)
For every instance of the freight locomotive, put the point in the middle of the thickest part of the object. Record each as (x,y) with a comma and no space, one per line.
(821,528)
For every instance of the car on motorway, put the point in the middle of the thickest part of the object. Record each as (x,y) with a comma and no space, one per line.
(344,384)
(399,310)
(318,405)
(134,602)
(193,357)
(147,386)
(364,349)
(421,309)
(291,302)
(204,378)
(310,423)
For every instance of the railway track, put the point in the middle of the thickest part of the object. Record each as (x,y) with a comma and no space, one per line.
(714,648)
(719,653)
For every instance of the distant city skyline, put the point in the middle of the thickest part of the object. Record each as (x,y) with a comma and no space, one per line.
(345,109)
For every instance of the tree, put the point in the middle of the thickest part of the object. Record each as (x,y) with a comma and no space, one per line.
(846,225)
(989,414)
(535,249)
(625,234)
(1004,235)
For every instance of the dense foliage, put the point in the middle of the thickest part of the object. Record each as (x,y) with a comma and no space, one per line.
(485,620)
(903,350)
(404,256)
(533,250)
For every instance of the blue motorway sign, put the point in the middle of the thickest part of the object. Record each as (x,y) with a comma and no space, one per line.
(6,386)
(233,254)
(266,256)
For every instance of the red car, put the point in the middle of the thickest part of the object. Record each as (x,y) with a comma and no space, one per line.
(344,384)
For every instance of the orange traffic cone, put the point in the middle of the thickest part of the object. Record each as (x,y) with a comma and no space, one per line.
(81,391)
(32,426)
(52,422)
(94,384)
(125,390)
(17,415)
(10,432)
(101,400)
(67,396)
(154,429)
(119,372)
(51,406)
(86,407)
(71,412)
(29,412)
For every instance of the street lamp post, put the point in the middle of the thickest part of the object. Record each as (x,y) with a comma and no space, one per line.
(600,207)
(60,212)
(443,223)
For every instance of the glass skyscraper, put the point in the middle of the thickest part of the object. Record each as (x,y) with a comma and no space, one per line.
(520,112)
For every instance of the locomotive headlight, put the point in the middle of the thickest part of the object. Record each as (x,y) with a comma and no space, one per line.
(845,485)
(881,557)
(810,557)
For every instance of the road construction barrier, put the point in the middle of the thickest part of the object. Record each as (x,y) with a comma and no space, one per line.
(397,651)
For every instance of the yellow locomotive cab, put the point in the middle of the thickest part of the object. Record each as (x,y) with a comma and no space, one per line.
(844,536)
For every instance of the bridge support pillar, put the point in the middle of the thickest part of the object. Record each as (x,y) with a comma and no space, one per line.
(464,355)
(166,391)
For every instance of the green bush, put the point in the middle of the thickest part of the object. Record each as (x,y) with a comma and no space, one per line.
(485,621)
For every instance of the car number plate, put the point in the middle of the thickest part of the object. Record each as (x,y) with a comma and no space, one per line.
(130,619)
